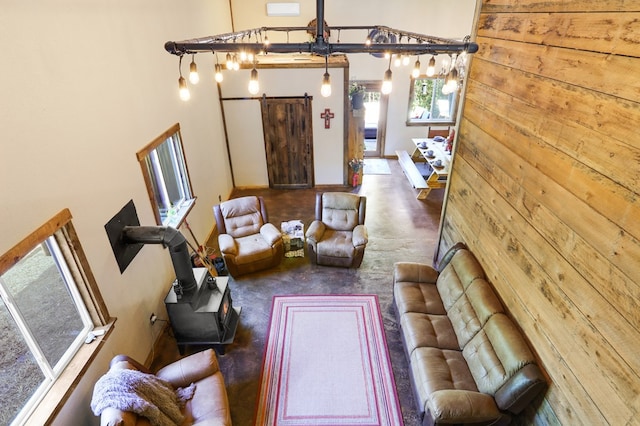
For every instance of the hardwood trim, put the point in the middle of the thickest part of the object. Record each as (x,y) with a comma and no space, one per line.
(144,152)
(17,252)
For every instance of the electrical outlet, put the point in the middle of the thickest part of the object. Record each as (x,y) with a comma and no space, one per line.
(153,318)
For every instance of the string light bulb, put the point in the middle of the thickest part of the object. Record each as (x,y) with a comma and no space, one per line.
(254,85)
(218,73)
(184,90)
(229,61)
(194,78)
(325,90)
(431,68)
(386,83)
(415,73)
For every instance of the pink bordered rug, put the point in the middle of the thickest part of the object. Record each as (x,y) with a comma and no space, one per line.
(326,363)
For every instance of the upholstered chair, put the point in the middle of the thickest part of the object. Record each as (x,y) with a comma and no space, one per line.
(338,236)
(248,242)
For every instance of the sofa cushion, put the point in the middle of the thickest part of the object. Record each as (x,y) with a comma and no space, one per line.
(472,310)
(242,216)
(414,289)
(420,330)
(341,211)
(417,297)
(453,406)
(209,403)
(252,248)
(336,244)
(461,271)
(435,369)
(496,353)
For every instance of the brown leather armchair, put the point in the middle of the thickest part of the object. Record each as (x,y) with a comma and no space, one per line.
(338,236)
(248,242)
(208,405)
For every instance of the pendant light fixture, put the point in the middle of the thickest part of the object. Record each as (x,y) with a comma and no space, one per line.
(325,90)
(380,41)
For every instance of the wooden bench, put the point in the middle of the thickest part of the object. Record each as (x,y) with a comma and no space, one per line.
(413,174)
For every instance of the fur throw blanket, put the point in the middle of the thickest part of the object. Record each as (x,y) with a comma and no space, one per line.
(141,393)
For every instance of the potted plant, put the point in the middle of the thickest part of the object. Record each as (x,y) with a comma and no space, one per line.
(356,94)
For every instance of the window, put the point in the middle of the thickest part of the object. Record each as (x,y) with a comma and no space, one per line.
(428,105)
(45,290)
(165,173)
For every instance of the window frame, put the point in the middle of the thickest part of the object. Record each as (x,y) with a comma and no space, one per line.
(431,122)
(146,166)
(47,401)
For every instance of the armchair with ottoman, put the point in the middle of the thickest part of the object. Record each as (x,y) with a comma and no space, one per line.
(468,361)
(190,391)
(338,236)
(248,242)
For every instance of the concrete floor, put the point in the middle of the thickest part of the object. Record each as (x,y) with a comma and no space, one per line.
(401,228)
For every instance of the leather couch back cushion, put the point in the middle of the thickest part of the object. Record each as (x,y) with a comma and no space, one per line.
(473,309)
(340,212)
(496,353)
(242,216)
(456,277)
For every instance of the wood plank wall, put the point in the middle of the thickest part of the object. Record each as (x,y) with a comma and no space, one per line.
(545,190)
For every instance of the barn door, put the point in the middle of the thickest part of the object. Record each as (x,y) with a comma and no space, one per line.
(288,140)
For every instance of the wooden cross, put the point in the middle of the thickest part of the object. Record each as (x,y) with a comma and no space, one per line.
(327,115)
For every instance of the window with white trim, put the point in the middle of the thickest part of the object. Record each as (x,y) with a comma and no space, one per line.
(43,315)
(167,178)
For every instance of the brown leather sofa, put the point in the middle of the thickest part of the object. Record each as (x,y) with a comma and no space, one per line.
(247,241)
(209,404)
(469,363)
(338,236)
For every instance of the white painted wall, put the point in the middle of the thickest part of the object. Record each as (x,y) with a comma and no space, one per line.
(84,85)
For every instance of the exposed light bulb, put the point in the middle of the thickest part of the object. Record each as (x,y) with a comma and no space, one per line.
(387,55)
(397,61)
(266,40)
(416,69)
(386,83)
(218,75)
(184,90)
(194,78)
(235,64)
(254,86)
(367,42)
(431,68)
(453,80)
(405,60)
(229,62)
(243,55)
(325,90)
(250,57)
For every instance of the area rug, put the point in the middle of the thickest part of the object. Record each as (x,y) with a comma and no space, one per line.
(376,166)
(326,363)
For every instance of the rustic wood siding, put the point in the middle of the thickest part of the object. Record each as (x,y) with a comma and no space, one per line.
(544,190)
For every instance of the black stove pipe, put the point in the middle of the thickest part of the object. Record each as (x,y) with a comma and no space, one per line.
(178,249)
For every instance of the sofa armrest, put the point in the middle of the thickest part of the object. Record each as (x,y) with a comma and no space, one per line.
(270,233)
(315,231)
(190,369)
(360,236)
(461,406)
(521,389)
(414,272)
(227,244)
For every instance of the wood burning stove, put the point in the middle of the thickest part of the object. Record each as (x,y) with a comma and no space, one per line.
(204,316)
